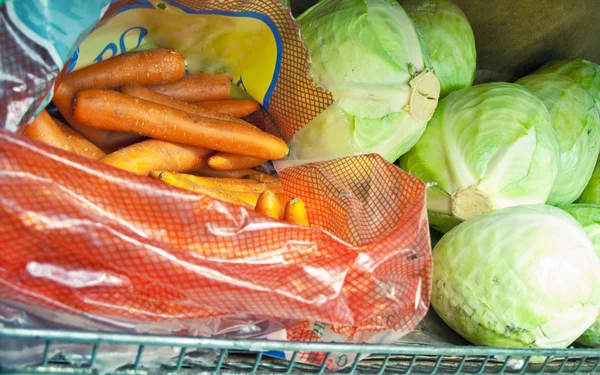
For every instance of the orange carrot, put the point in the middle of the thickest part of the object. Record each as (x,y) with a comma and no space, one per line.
(109,110)
(156,66)
(295,212)
(235,184)
(268,204)
(175,179)
(156,97)
(106,140)
(196,87)
(242,173)
(283,200)
(248,197)
(45,130)
(275,187)
(223,161)
(237,108)
(252,198)
(144,157)
(80,144)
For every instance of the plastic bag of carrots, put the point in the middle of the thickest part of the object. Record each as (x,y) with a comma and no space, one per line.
(136,192)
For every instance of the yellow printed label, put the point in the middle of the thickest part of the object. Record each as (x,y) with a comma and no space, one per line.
(246,45)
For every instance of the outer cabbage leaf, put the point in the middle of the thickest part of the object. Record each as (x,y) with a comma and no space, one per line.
(591,193)
(488,146)
(448,40)
(524,276)
(588,215)
(584,72)
(367,54)
(576,119)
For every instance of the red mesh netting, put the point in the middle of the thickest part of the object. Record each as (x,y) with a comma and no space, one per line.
(85,238)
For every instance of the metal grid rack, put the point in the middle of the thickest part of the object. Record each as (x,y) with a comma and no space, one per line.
(248,356)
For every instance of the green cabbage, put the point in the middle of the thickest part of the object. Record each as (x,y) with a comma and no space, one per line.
(588,215)
(591,193)
(486,147)
(584,72)
(576,119)
(587,74)
(448,40)
(367,54)
(524,276)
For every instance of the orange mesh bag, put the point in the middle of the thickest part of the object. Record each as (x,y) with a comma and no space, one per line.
(83,239)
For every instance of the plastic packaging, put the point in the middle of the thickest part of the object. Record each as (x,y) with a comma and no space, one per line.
(88,246)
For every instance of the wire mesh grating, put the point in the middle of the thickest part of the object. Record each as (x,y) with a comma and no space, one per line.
(460,365)
(525,365)
(253,356)
(596,366)
(483,364)
(292,362)
(383,364)
(46,353)
(411,364)
(94,354)
(138,357)
(543,365)
(180,359)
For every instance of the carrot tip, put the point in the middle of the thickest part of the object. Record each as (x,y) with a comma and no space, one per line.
(156,174)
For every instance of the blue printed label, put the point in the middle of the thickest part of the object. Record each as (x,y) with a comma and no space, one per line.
(56,25)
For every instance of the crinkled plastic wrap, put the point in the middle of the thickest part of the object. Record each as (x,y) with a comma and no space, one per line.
(88,246)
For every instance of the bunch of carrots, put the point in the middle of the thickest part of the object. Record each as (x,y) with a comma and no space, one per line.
(140,112)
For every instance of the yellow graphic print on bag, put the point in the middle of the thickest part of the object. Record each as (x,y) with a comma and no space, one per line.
(246,45)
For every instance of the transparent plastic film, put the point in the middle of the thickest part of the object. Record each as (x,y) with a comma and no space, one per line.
(90,246)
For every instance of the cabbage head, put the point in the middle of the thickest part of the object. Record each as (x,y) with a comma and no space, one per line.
(367,54)
(584,72)
(488,146)
(448,40)
(524,276)
(588,215)
(576,119)
(591,193)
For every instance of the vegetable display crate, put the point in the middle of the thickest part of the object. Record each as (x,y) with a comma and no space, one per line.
(252,356)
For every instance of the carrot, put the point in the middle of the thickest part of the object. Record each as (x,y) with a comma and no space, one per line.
(175,179)
(235,184)
(80,144)
(245,190)
(283,200)
(237,108)
(252,197)
(109,110)
(295,212)
(106,140)
(223,161)
(268,204)
(242,173)
(156,66)
(144,157)
(275,187)
(249,197)
(196,87)
(45,130)
(156,97)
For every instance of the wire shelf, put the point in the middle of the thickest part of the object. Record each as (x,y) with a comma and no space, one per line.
(251,356)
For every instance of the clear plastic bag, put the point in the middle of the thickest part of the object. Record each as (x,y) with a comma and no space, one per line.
(92,247)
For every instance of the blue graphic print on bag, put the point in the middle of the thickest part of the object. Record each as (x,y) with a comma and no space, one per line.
(56,25)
